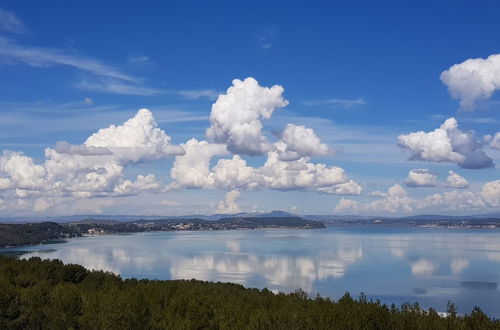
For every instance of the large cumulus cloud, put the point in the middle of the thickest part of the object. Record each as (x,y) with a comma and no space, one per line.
(236,117)
(192,170)
(473,80)
(236,128)
(138,139)
(95,168)
(447,144)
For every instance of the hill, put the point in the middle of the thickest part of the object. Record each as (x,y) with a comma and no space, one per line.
(42,294)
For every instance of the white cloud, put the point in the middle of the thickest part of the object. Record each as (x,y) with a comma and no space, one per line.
(21,170)
(491,193)
(265,37)
(236,117)
(495,142)
(94,169)
(446,144)
(9,22)
(235,174)
(298,141)
(473,80)
(301,174)
(140,60)
(142,183)
(396,200)
(115,86)
(138,139)
(210,94)
(229,205)
(103,78)
(191,170)
(337,103)
(456,181)
(421,177)
(43,57)
(64,147)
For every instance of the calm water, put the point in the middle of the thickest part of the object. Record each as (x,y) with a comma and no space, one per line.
(395,265)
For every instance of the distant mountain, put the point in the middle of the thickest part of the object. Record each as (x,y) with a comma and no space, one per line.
(214,217)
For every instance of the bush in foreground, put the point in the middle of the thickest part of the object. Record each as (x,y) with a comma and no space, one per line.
(44,294)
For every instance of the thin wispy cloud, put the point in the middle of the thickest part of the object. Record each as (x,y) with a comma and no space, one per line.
(9,22)
(14,52)
(140,60)
(119,87)
(266,36)
(338,103)
(210,94)
(102,78)
(46,117)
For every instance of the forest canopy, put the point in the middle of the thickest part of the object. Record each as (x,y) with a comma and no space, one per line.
(46,294)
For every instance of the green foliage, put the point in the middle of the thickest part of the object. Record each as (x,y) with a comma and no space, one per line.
(43,294)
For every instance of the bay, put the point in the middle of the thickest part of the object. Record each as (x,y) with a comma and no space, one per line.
(392,264)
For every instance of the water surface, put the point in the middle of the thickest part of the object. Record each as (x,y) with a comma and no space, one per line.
(393,264)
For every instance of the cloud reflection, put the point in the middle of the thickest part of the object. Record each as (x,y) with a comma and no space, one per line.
(279,271)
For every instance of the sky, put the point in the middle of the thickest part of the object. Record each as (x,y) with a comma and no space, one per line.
(182,107)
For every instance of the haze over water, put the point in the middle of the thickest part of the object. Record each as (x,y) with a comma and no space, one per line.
(393,264)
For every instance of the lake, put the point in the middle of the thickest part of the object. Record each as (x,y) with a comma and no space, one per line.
(393,264)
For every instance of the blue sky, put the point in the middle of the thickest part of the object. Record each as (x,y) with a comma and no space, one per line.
(358,74)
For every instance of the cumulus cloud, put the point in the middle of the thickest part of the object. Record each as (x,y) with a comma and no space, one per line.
(142,183)
(397,200)
(491,193)
(235,174)
(421,177)
(236,117)
(192,171)
(473,80)
(236,127)
(21,171)
(446,144)
(93,169)
(96,168)
(456,181)
(138,139)
(229,205)
(495,142)
(298,141)
(302,174)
